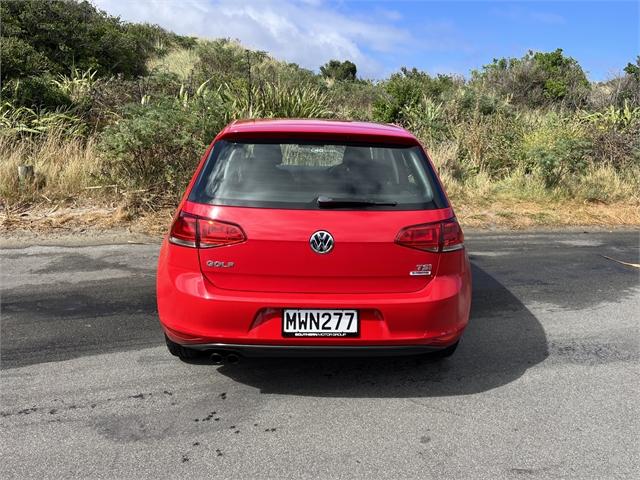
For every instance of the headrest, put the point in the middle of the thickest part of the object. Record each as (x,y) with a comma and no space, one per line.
(267,153)
(356,157)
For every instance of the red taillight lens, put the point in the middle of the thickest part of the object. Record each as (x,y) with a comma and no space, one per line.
(192,231)
(452,236)
(183,230)
(422,237)
(433,237)
(214,233)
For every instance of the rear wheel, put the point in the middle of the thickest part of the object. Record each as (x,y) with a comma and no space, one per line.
(183,353)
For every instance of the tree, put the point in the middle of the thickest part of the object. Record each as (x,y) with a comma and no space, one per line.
(339,71)
(633,69)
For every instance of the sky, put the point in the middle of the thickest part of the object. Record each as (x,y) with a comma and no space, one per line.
(451,37)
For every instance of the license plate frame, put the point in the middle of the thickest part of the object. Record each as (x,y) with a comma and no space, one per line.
(320,319)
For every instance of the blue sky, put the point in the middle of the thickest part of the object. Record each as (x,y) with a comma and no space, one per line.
(380,37)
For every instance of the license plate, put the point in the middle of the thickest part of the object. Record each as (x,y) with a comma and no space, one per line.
(320,323)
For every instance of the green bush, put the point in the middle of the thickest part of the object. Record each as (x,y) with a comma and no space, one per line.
(74,34)
(353,100)
(566,157)
(407,88)
(538,79)
(224,61)
(20,59)
(35,92)
(426,119)
(556,146)
(153,146)
(490,144)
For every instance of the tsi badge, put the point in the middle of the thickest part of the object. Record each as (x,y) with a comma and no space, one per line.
(423,269)
(219,264)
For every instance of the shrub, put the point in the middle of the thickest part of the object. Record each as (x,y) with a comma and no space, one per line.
(604,184)
(537,79)
(491,144)
(35,92)
(269,70)
(353,100)
(556,146)
(71,34)
(76,86)
(20,59)
(224,60)
(407,88)
(156,41)
(426,119)
(468,100)
(154,147)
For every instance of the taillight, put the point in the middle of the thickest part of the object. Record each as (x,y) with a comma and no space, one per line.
(213,233)
(452,236)
(193,231)
(444,236)
(183,230)
(422,237)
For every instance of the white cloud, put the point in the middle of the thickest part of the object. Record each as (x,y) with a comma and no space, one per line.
(308,33)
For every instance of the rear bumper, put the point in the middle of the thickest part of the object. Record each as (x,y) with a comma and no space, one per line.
(257,351)
(195,313)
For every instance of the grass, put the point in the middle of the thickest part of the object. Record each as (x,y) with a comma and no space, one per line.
(180,62)
(64,167)
(62,194)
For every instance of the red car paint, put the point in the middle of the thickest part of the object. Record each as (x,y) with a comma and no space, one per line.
(234,295)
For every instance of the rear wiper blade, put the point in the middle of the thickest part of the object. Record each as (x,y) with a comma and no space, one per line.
(328,202)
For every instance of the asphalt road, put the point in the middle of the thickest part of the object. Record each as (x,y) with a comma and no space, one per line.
(544,385)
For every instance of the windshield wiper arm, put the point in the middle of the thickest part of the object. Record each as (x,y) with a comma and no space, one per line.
(328,202)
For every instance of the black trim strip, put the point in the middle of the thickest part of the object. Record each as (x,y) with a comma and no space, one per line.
(252,350)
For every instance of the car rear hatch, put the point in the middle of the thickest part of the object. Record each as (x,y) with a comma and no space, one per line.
(257,203)
(277,255)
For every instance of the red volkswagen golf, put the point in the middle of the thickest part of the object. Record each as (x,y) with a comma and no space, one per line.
(313,237)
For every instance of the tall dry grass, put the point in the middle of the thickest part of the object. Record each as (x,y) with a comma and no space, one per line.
(64,167)
(181,62)
(598,184)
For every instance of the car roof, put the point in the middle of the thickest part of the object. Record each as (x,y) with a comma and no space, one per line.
(317,129)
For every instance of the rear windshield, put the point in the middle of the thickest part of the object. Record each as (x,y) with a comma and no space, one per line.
(314,176)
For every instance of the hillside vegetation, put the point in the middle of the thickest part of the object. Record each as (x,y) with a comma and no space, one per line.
(116,114)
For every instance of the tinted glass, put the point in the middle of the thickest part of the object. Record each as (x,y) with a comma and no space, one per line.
(295,175)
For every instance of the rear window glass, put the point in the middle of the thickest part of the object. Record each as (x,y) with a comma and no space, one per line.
(315,176)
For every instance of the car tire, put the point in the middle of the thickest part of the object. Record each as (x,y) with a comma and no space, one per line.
(446,352)
(183,353)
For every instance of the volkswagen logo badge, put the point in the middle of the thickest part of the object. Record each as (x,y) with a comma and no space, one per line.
(321,242)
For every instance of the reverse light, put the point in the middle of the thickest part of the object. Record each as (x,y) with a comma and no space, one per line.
(444,236)
(198,232)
